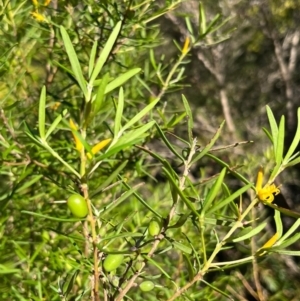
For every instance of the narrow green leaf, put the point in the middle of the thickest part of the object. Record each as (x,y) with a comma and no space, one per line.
(73,60)
(280,142)
(291,230)
(173,183)
(251,233)
(131,136)
(119,113)
(286,243)
(190,268)
(289,253)
(167,142)
(156,265)
(229,199)
(97,103)
(109,180)
(42,112)
(55,123)
(212,23)
(293,162)
(268,134)
(211,143)
(295,141)
(140,115)
(189,116)
(274,128)
(29,183)
(189,26)
(278,223)
(71,282)
(105,52)
(179,246)
(92,58)
(141,200)
(233,172)
(126,234)
(123,78)
(228,297)
(51,217)
(213,191)
(283,210)
(202,19)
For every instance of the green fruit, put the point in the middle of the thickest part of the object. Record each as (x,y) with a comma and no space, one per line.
(112,261)
(77,205)
(147,286)
(154,227)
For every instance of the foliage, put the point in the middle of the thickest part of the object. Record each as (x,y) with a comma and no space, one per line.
(82,98)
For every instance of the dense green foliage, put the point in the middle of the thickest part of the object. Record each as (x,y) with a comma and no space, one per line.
(119,178)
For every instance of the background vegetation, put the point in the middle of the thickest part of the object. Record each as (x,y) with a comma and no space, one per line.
(123,102)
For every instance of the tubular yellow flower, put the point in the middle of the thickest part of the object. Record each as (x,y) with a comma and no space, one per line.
(78,143)
(39,17)
(271,241)
(35,2)
(47,2)
(186,45)
(266,193)
(97,148)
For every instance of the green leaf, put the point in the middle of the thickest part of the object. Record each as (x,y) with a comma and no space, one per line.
(120,200)
(206,149)
(51,217)
(228,297)
(42,108)
(283,210)
(286,243)
(71,282)
(202,19)
(229,199)
(251,233)
(92,58)
(189,116)
(289,253)
(141,200)
(274,128)
(233,172)
(156,264)
(108,180)
(126,234)
(291,230)
(268,134)
(278,223)
(119,81)
(213,191)
(55,123)
(140,115)
(173,183)
(128,139)
(119,113)
(280,142)
(97,103)
(168,144)
(29,183)
(295,141)
(105,52)
(73,60)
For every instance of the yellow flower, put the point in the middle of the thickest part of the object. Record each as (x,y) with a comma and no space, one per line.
(186,45)
(97,148)
(79,146)
(266,193)
(78,143)
(39,17)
